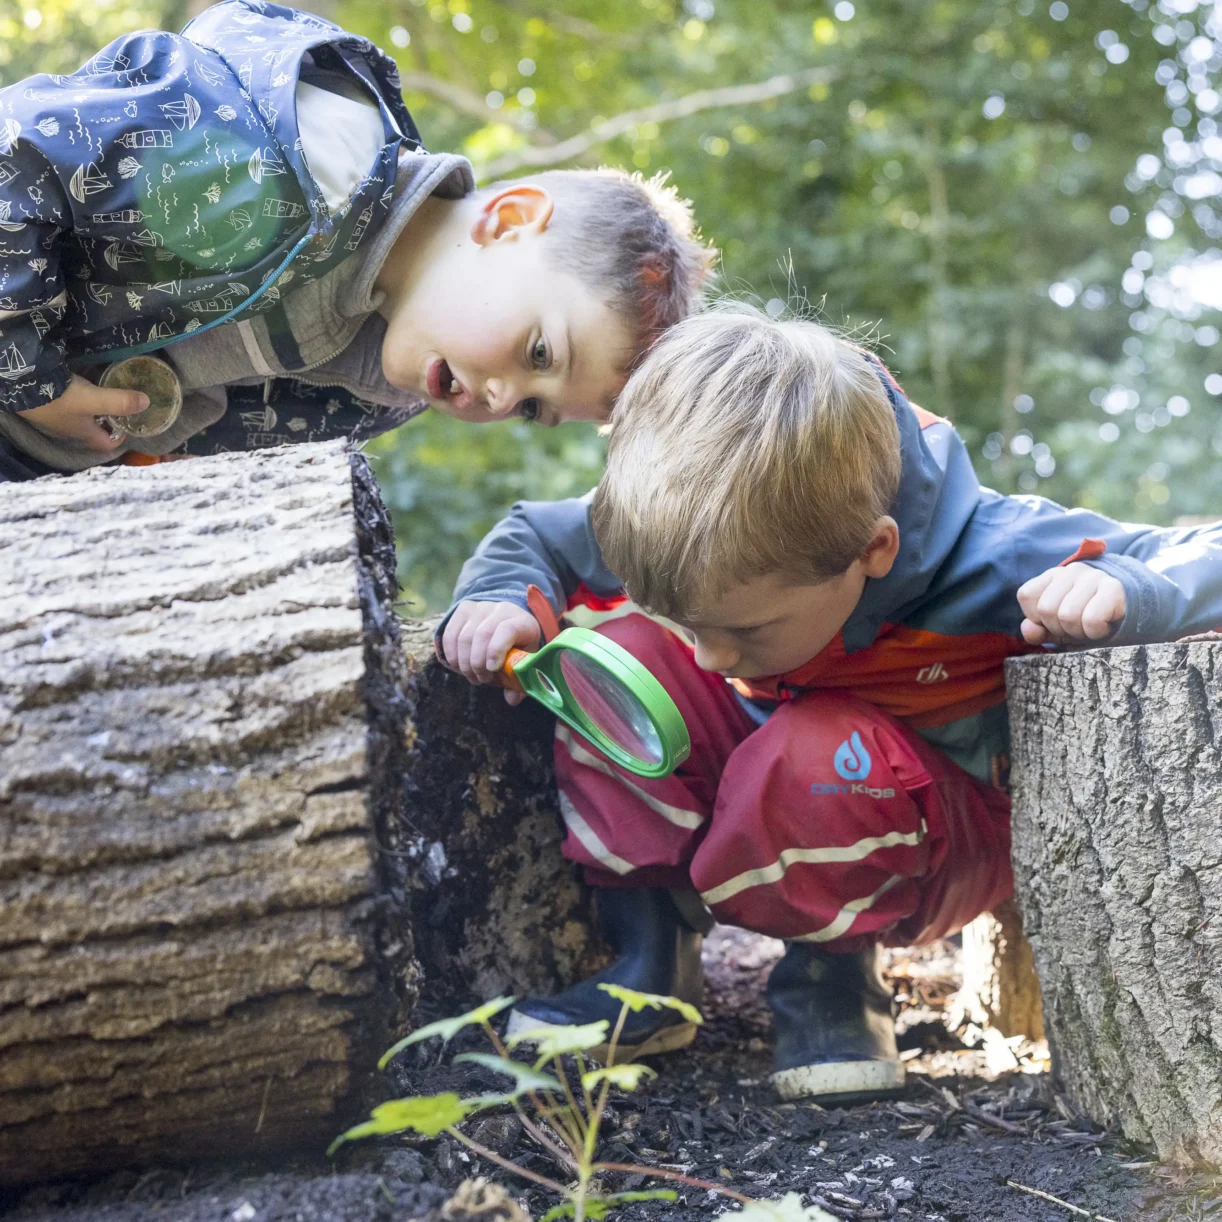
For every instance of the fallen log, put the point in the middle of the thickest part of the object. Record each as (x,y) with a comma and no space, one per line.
(1117,850)
(244,820)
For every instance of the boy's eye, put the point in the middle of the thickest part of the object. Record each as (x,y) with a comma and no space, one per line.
(540,358)
(529,409)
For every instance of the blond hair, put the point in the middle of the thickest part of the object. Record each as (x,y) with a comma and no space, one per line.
(632,241)
(744,446)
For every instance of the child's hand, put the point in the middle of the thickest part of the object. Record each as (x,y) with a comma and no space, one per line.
(479,637)
(1074,603)
(73,414)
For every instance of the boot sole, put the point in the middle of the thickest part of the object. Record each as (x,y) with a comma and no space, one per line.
(666,1039)
(841,1081)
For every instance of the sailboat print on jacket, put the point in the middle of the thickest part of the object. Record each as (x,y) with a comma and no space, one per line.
(139,201)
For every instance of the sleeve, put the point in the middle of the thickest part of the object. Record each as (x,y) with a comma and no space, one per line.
(548,544)
(33,215)
(1172,577)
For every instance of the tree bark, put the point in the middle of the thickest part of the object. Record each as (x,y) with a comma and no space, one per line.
(1000,985)
(495,907)
(225,790)
(1117,827)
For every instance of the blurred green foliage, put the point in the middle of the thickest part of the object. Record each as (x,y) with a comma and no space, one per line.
(447,483)
(1019,201)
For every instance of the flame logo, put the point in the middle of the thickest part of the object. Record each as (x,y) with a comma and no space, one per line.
(852,760)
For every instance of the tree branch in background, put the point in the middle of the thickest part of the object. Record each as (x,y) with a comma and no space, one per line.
(939,262)
(679,108)
(469,102)
(580,28)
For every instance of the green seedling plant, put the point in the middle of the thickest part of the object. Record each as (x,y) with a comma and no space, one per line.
(561,1115)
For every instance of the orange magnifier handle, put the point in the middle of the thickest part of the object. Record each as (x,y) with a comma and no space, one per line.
(511,660)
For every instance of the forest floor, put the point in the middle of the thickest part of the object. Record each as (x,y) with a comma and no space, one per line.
(978,1118)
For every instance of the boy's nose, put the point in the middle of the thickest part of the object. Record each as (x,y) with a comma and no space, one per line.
(715,655)
(500,397)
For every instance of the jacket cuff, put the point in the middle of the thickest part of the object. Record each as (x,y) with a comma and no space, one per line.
(1149,600)
(44,386)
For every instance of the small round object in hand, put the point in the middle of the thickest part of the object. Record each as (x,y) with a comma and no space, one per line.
(159,381)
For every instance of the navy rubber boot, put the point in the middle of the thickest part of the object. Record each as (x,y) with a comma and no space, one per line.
(659,952)
(834,1028)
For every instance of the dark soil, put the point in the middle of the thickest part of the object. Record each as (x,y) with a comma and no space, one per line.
(941,1153)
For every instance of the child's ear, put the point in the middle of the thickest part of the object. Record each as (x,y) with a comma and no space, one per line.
(512,213)
(884,546)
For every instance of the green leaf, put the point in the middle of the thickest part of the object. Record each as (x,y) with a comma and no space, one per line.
(524,1076)
(788,1209)
(554,1041)
(447,1028)
(427,1115)
(636,1002)
(626,1077)
(598,1207)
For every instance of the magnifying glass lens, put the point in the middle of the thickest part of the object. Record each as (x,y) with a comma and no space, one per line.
(611,707)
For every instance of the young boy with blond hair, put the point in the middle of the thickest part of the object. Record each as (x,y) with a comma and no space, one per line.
(839,594)
(250,200)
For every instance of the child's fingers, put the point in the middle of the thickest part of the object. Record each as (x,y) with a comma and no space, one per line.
(1033,633)
(500,641)
(1048,606)
(84,398)
(463,645)
(449,638)
(481,639)
(519,630)
(1029,592)
(1104,611)
(1069,611)
(106,401)
(97,435)
(468,641)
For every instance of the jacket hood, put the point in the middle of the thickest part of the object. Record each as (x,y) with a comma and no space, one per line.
(268,48)
(937,495)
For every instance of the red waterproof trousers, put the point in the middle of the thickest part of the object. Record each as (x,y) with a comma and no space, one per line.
(832,822)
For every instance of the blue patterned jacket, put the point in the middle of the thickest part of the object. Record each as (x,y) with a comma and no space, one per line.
(161,189)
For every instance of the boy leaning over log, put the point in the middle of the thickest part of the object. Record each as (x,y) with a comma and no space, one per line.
(250,199)
(840,594)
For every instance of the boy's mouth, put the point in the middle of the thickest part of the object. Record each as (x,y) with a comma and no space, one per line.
(442,384)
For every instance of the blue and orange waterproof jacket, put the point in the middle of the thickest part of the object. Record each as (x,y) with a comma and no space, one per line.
(927,642)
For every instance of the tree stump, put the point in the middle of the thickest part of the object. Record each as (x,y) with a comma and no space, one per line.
(232,809)
(1117,851)
(1000,985)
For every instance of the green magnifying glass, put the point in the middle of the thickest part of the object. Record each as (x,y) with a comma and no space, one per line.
(599,689)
